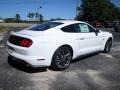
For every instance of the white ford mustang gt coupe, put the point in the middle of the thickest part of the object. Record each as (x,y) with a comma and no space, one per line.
(56,43)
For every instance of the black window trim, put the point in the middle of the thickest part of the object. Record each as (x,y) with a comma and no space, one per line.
(69,25)
(80,31)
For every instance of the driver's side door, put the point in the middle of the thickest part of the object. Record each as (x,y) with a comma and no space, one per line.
(89,40)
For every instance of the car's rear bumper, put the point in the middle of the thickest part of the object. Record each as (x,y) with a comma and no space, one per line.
(32,60)
(23,62)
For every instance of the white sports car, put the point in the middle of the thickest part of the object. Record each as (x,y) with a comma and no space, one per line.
(56,43)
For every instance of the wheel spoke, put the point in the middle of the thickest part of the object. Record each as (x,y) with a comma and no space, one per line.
(60,55)
(67,55)
(62,64)
(63,58)
(109,45)
(58,61)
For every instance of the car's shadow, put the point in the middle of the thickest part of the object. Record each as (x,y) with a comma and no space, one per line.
(29,69)
(24,68)
(84,57)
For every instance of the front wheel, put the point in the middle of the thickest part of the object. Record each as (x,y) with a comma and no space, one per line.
(61,58)
(108,46)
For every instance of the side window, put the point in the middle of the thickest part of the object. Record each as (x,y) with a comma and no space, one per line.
(74,28)
(91,29)
(84,28)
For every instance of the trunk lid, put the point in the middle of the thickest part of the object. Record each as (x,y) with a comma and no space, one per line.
(30,33)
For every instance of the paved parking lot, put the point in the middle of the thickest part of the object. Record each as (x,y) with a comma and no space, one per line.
(95,72)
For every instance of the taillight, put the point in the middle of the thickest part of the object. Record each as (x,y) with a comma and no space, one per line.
(26,42)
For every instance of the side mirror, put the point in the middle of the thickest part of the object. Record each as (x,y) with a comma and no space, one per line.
(97,31)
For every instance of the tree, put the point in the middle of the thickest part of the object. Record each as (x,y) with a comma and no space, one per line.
(30,16)
(9,20)
(52,19)
(117,13)
(40,18)
(36,16)
(91,10)
(17,17)
(59,18)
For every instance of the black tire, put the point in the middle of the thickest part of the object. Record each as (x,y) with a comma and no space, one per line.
(108,46)
(61,58)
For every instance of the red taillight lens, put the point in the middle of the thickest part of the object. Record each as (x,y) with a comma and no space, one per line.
(26,43)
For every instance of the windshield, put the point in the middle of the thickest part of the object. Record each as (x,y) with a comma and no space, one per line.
(44,26)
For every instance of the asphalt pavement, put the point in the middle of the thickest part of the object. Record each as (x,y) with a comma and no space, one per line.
(98,71)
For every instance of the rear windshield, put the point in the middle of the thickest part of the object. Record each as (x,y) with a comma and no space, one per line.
(44,26)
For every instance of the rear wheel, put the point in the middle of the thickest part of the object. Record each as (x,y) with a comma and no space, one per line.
(108,46)
(61,58)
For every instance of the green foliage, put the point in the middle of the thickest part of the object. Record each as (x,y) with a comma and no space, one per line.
(54,19)
(40,18)
(17,17)
(104,10)
(37,16)
(9,20)
(30,16)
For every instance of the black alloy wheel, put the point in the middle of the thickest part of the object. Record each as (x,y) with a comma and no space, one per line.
(108,46)
(62,58)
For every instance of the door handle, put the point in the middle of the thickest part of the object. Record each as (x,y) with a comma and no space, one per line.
(82,38)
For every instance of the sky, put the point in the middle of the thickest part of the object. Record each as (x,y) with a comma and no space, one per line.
(65,9)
